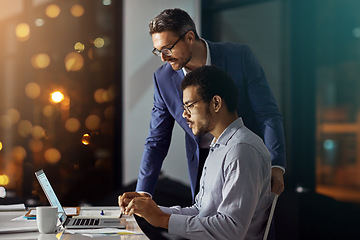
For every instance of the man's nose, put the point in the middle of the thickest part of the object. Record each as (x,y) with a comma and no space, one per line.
(164,57)
(185,114)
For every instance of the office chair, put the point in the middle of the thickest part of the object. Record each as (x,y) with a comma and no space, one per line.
(270,217)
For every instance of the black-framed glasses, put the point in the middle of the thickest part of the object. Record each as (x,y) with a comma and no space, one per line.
(167,51)
(188,107)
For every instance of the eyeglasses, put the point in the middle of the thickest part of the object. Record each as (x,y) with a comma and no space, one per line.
(188,107)
(167,51)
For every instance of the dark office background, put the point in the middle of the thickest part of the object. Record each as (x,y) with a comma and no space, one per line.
(310,48)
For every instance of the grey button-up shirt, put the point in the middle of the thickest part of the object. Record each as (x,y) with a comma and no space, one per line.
(235,196)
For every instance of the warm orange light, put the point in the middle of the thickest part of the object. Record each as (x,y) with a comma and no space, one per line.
(24,128)
(5,122)
(85,139)
(18,154)
(52,11)
(57,97)
(52,155)
(38,132)
(14,115)
(100,95)
(93,122)
(22,31)
(36,145)
(77,10)
(1,146)
(4,180)
(40,61)
(72,125)
(74,61)
(48,110)
(32,90)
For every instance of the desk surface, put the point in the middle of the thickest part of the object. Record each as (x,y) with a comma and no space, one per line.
(6,217)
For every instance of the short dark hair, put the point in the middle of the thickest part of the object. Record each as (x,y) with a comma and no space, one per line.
(175,20)
(212,81)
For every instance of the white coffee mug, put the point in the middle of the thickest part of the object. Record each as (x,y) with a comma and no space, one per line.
(46,218)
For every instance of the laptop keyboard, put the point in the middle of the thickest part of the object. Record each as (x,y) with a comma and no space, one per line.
(86,222)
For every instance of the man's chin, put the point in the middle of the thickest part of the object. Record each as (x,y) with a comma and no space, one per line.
(176,67)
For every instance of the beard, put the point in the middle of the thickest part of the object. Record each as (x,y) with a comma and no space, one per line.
(178,64)
(202,126)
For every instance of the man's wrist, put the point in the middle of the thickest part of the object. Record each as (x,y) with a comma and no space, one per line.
(144,194)
(165,220)
(279,167)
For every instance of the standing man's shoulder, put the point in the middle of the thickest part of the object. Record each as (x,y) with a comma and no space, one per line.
(164,72)
(223,49)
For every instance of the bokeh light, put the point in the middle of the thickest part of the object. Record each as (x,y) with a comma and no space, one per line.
(52,11)
(5,122)
(106,2)
(1,146)
(32,90)
(74,61)
(72,125)
(109,112)
(18,154)
(2,192)
(48,110)
(36,145)
(39,22)
(100,95)
(99,42)
(22,31)
(79,47)
(14,115)
(24,128)
(40,61)
(85,139)
(4,180)
(92,122)
(52,155)
(38,132)
(56,96)
(77,10)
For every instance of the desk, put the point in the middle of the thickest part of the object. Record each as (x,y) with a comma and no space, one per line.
(6,217)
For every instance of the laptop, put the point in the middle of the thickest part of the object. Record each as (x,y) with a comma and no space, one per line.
(75,223)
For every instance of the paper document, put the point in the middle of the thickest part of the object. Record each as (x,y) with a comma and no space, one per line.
(100,232)
(12,207)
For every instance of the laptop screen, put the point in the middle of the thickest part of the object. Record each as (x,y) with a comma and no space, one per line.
(50,194)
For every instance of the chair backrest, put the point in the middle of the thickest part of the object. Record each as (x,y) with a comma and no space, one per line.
(270,217)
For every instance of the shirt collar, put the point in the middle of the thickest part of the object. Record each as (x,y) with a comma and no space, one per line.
(226,135)
(208,58)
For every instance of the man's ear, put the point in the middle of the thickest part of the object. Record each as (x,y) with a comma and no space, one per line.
(190,37)
(217,101)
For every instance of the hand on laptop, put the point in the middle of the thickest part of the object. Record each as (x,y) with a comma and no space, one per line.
(126,198)
(146,207)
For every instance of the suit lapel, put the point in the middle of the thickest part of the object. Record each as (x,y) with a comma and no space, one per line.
(177,79)
(215,56)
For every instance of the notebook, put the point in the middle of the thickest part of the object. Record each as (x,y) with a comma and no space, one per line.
(75,223)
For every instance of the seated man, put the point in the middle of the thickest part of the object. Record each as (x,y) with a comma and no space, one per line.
(234,197)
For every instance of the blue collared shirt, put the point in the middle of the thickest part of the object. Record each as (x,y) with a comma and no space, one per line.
(234,197)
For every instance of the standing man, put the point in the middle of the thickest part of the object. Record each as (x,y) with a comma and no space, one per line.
(235,194)
(176,41)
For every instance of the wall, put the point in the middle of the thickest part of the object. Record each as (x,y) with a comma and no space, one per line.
(138,67)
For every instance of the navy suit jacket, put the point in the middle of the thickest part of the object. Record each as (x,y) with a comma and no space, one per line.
(256,105)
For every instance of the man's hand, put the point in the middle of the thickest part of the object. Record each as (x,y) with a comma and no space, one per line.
(277,180)
(126,198)
(146,207)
